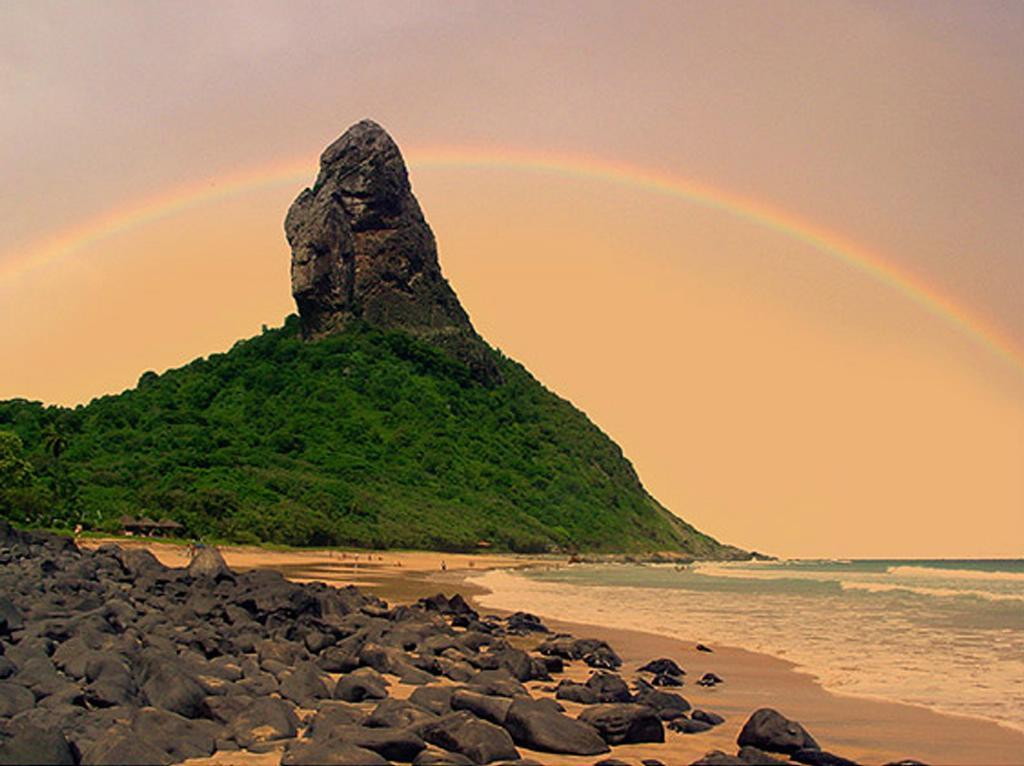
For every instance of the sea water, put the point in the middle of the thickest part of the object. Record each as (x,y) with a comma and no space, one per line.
(946,634)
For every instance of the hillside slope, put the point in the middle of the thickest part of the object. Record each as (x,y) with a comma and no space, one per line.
(366,437)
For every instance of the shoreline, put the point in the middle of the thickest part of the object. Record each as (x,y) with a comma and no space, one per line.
(838,720)
(866,729)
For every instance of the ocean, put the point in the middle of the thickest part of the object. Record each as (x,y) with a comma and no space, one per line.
(945,634)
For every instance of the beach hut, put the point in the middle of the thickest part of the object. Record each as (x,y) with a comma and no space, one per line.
(168,528)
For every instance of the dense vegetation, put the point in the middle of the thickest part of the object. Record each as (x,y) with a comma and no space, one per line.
(366,438)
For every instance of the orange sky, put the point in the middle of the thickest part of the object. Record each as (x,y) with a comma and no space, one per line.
(767,392)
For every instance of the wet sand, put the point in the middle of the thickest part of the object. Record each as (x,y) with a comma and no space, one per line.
(867,730)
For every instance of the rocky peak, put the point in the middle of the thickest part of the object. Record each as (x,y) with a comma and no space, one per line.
(361,249)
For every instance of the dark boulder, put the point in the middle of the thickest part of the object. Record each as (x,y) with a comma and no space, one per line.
(608,687)
(712,718)
(170,686)
(40,676)
(264,720)
(669,706)
(329,752)
(435,698)
(666,680)
(663,666)
(14,699)
(517,662)
(120,745)
(332,714)
(490,708)
(624,723)
(524,622)
(813,757)
(32,745)
(575,692)
(393,744)
(753,756)
(10,616)
(689,726)
(208,564)
(398,714)
(225,708)
(304,685)
(539,728)
(359,685)
(181,738)
(433,756)
(767,729)
(718,758)
(480,741)
(710,679)
(498,682)
(603,657)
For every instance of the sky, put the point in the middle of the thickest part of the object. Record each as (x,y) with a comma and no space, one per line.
(773,392)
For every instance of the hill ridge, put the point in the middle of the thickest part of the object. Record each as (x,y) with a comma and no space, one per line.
(376,417)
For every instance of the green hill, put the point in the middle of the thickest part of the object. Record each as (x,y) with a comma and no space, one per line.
(375,417)
(367,438)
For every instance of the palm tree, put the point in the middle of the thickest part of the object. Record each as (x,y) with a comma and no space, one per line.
(54,441)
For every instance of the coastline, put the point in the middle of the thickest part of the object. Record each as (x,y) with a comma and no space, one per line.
(865,729)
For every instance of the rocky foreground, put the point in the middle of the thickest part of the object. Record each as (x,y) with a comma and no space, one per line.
(110,657)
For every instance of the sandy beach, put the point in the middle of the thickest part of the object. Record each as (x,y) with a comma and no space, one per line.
(867,730)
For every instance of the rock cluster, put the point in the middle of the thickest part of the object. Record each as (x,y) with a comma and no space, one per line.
(110,657)
(361,249)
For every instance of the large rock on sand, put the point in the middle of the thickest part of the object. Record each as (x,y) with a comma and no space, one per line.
(624,723)
(329,753)
(464,733)
(768,729)
(209,564)
(539,728)
(264,720)
(362,684)
(34,745)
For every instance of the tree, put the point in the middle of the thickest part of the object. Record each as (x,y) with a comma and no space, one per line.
(54,441)
(15,471)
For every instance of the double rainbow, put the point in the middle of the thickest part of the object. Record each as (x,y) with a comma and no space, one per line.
(298,173)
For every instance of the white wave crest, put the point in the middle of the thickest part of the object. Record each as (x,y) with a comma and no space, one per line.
(881,587)
(953,574)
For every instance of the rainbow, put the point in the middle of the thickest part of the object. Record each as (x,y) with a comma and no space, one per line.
(299,172)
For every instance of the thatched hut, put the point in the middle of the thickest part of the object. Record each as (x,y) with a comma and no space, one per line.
(147,527)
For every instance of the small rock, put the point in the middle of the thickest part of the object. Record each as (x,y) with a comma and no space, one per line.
(689,726)
(712,718)
(663,666)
